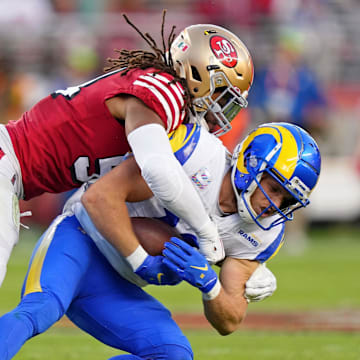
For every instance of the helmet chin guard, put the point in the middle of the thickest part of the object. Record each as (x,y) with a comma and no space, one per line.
(289,155)
(222,103)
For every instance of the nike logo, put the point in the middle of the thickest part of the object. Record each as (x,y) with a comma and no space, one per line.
(159,275)
(202,268)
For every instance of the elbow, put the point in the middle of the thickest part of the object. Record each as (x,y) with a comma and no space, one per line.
(89,199)
(227,327)
(224,332)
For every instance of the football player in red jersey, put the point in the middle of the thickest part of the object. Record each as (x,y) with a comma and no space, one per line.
(84,131)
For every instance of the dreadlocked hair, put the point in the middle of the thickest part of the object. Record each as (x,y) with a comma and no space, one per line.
(158,59)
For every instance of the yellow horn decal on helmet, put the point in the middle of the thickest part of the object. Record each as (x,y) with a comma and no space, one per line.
(259,131)
(288,157)
(179,137)
(240,164)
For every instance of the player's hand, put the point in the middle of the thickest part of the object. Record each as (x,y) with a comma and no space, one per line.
(190,239)
(189,264)
(261,284)
(154,271)
(210,244)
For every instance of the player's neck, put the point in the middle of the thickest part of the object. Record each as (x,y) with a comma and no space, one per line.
(227,199)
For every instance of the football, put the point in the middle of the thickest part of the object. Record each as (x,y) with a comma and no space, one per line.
(152,233)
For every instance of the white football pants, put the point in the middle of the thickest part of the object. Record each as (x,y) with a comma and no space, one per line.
(10,192)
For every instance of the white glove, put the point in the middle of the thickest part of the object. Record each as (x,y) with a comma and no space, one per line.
(261,284)
(210,244)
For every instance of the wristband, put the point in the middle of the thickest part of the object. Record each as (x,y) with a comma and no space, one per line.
(137,257)
(213,293)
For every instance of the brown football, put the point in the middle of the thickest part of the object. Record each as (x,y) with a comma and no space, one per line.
(152,233)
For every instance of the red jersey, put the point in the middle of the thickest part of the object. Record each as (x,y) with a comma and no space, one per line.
(70,135)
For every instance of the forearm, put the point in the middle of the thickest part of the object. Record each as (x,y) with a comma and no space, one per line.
(225,314)
(111,219)
(105,203)
(226,311)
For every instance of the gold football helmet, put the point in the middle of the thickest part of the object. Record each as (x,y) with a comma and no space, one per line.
(219,72)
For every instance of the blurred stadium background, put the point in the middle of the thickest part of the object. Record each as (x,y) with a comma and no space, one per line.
(307,70)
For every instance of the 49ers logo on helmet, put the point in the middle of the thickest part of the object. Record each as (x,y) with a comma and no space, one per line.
(224,51)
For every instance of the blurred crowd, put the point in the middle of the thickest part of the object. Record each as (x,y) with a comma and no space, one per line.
(306,55)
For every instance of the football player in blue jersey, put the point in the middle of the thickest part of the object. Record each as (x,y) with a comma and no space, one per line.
(75,271)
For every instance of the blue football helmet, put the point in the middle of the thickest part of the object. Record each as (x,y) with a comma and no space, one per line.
(289,155)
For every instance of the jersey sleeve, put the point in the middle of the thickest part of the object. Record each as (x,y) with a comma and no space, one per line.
(259,245)
(159,93)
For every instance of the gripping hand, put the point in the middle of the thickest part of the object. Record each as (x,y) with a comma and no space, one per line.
(210,244)
(261,284)
(189,264)
(154,271)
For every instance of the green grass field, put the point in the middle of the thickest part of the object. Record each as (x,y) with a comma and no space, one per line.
(325,277)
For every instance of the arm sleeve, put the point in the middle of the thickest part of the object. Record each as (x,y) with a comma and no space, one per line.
(167,179)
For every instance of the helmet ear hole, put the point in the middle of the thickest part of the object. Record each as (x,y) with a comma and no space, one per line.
(195,73)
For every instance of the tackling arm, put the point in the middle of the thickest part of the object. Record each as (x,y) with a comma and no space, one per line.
(164,174)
